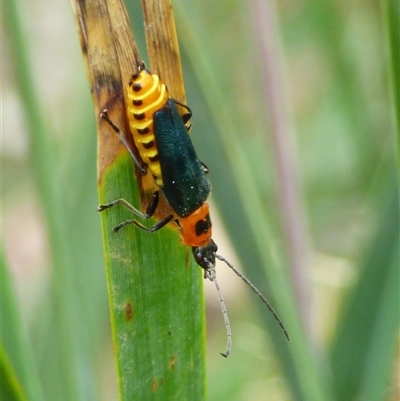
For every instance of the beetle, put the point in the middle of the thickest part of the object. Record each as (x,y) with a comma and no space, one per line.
(161,136)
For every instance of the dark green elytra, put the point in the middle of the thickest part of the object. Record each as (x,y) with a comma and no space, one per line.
(186,186)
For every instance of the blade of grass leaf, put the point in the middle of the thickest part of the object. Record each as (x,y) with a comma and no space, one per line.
(379,364)
(391,20)
(67,353)
(19,378)
(155,292)
(366,337)
(41,146)
(158,329)
(10,385)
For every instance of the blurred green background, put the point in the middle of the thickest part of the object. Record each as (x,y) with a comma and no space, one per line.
(334,60)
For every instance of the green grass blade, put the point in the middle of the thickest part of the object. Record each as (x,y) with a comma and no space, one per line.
(156,302)
(11,389)
(19,379)
(41,146)
(378,367)
(64,348)
(391,20)
(155,292)
(365,342)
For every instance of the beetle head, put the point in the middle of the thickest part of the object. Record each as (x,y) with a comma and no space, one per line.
(205,255)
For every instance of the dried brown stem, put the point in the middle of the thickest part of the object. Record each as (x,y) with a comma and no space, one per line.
(111,56)
(162,45)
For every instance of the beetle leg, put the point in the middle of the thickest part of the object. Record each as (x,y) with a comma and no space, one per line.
(151,208)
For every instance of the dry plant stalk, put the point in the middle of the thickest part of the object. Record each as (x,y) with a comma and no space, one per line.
(162,45)
(111,57)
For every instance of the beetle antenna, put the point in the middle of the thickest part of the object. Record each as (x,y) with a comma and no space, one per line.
(211,275)
(256,290)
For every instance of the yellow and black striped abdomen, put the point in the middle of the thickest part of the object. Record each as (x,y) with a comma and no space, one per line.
(146,95)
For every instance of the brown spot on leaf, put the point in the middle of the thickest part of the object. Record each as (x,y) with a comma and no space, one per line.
(128,311)
(156,383)
(171,363)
